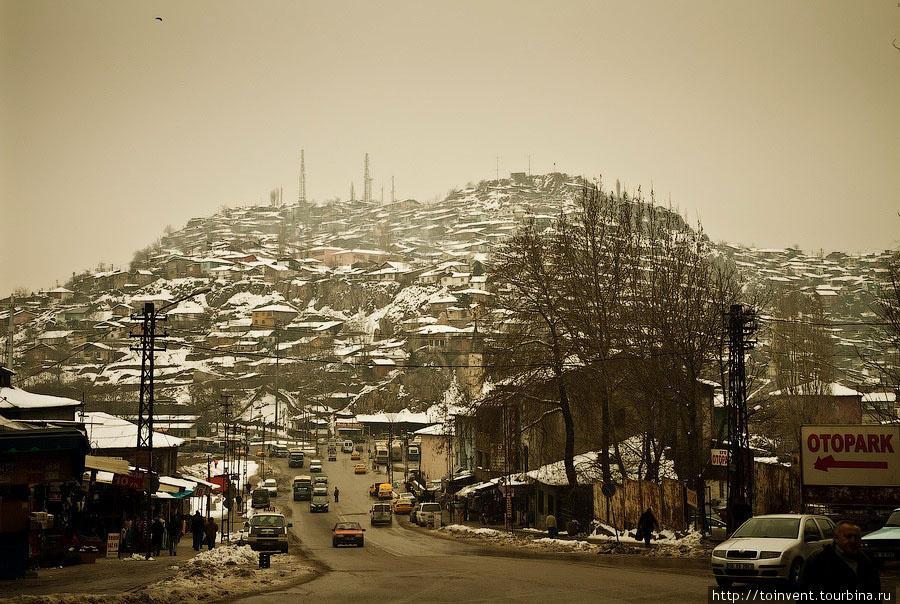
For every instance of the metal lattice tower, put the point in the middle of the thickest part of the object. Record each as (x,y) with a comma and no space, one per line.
(367,183)
(145,406)
(302,197)
(741,328)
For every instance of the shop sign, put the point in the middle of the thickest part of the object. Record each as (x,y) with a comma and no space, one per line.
(112,545)
(691,498)
(133,480)
(719,457)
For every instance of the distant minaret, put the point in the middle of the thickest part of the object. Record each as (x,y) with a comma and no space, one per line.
(352,193)
(393,197)
(302,198)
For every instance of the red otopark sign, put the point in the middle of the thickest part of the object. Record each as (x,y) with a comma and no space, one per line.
(854,455)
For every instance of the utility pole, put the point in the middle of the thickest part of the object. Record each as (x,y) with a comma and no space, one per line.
(393,196)
(498,169)
(277,333)
(145,405)
(227,496)
(741,329)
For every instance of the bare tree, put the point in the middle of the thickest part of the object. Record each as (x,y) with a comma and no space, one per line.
(531,344)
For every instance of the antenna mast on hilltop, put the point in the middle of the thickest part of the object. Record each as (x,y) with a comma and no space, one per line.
(367,183)
(302,197)
(393,197)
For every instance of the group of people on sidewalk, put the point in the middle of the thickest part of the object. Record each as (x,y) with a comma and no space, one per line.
(163,533)
(203,531)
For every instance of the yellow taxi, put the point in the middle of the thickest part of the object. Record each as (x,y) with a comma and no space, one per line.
(355,455)
(403,506)
(359,468)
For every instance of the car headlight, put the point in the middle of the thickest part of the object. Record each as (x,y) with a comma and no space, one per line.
(765,555)
(719,553)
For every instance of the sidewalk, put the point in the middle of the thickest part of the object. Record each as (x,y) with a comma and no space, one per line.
(107,575)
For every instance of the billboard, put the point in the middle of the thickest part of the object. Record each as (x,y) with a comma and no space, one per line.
(850,455)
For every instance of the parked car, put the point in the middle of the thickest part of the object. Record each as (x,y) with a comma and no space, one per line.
(424,512)
(268,532)
(271,485)
(347,533)
(315,465)
(381,513)
(884,544)
(770,547)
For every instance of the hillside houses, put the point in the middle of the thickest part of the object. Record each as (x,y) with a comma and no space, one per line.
(357,292)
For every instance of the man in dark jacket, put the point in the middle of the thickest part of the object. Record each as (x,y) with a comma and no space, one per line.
(198,529)
(156,536)
(646,525)
(842,565)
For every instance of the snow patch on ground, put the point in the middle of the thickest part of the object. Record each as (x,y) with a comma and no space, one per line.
(665,544)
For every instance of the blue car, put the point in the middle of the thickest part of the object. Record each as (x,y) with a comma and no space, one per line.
(884,544)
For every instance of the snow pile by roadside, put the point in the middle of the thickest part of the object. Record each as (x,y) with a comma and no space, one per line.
(666,544)
(225,555)
(461,528)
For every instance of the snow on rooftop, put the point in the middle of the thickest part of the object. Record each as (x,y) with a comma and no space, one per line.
(105,431)
(16,398)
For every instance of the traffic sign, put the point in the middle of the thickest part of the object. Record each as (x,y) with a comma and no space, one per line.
(608,489)
(851,455)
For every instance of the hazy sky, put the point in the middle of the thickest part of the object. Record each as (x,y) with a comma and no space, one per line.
(776,123)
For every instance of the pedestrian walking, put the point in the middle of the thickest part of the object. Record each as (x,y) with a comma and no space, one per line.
(156,536)
(336,494)
(174,533)
(646,525)
(211,530)
(552,530)
(198,529)
(841,566)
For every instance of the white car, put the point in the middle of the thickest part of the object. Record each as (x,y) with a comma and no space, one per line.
(770,547)
(315,465)
(424,512)
(271,486)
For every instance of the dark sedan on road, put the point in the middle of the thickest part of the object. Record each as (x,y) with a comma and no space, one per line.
(347,533)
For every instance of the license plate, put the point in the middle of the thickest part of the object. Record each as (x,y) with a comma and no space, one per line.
(740,566)
(883,554)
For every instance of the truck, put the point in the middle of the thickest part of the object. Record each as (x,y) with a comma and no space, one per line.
(382,456)
(295,458)
(397,451)
(413,452)
(302,487)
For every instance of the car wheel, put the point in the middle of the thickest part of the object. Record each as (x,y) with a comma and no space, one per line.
(724,582)
(360,544)
(794,573)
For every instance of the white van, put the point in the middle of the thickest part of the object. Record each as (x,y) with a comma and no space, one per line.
(347,447)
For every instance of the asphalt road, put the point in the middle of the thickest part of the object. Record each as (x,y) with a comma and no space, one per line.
(400,563)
